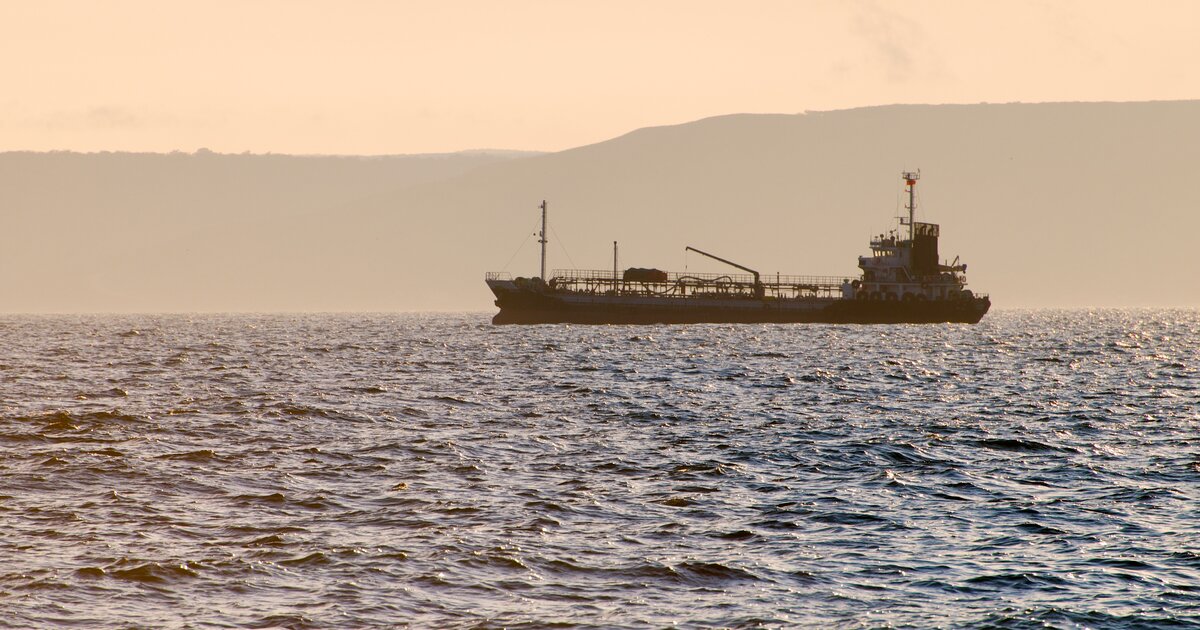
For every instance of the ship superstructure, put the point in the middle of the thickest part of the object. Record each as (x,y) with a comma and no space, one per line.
(902,282)
(908,269)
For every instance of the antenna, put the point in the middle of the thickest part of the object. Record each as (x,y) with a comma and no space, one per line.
(542,239)
(910,179)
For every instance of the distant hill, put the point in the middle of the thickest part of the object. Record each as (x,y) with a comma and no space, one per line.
(181,231)
(1064,204)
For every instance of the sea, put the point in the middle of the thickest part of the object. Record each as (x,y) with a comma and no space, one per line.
(1040,469)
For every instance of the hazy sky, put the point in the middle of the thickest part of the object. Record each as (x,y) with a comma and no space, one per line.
(339,76)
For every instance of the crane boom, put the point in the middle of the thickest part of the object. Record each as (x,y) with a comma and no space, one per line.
(757,282)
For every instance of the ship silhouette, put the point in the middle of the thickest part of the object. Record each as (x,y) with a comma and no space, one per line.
(902,281)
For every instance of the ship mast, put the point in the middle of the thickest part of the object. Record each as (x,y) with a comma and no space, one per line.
(542,239)
(910,178)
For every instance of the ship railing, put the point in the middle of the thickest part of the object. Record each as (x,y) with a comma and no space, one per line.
(684,284)
(607,275)
(498,275)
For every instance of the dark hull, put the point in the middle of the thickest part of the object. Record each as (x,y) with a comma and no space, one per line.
(545,307)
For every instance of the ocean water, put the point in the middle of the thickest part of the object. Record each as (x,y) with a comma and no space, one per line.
(1040,469)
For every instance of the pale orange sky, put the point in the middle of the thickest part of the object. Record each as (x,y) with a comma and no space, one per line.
(384,77)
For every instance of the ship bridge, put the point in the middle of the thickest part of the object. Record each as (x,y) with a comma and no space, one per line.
(908,268)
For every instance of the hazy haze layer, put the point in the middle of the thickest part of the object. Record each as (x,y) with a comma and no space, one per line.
(1076,204)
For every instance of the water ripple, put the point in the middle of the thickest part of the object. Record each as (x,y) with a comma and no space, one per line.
(307,471)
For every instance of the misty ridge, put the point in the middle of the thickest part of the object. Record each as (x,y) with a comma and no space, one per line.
(1050,205)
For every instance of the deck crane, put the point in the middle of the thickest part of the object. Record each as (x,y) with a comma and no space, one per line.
(759,291)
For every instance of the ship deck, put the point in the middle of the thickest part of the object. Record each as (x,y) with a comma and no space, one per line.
(690,285)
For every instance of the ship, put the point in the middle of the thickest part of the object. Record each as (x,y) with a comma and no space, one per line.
(901,282)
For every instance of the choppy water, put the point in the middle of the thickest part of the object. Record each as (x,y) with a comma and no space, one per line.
(1038,469)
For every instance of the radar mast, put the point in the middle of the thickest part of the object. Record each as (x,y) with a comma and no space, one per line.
(910,180)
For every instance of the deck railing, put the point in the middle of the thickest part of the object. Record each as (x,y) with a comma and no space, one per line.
(606,275)
(594,275)
(682,284)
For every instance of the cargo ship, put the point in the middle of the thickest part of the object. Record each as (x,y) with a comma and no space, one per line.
(902,282)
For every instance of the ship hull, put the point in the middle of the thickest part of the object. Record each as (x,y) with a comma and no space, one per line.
(542,306)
